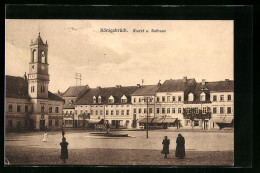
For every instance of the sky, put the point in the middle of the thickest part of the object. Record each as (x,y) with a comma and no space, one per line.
(200,49)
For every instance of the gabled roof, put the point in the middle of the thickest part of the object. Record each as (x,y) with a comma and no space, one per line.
(223,86)
(105,93)
(146,90)
(74,91)
(176,85)
(16,87)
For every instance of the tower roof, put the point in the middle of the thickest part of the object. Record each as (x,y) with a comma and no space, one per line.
(38,40)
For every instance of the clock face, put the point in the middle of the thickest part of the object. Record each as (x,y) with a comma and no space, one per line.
(43,67)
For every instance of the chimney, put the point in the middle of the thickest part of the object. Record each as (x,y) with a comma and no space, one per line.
(138,85)
(58,91)
(185,79)
(159,83)
(25,76)
(98,87)
(226,80)
(203,82)
(118,86)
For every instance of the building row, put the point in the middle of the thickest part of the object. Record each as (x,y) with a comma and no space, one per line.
(181,103)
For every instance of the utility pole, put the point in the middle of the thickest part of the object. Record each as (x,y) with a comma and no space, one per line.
(147,100)
(78,77)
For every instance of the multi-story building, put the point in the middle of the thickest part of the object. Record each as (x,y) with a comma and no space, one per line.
(139,104)
(70,96)
(112,105)
(28,103)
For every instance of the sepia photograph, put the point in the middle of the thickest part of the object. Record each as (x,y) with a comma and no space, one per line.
(119,92)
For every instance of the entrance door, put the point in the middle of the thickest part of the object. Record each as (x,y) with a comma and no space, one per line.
(206,124)
(42,124)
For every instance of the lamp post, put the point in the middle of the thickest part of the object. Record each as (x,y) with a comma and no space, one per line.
(147,100)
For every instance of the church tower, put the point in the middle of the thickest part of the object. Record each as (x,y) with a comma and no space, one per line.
(38,80)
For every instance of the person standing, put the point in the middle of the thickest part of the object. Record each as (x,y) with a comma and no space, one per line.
(180,147)
(64,150)
(45,137)
(166,143)
(107,127)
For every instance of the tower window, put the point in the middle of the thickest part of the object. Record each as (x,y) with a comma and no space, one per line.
(42,89)
(32,89)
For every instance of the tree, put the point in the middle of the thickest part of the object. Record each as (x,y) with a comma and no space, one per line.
(193,113)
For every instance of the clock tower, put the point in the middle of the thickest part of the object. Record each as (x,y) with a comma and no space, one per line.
(38,79)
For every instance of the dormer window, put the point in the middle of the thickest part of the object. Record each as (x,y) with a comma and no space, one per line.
(94,99)
(203,97)
(111,99)
(99,99)
(190,97)
(123,99)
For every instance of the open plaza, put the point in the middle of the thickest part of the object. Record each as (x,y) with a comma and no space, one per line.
(202,148)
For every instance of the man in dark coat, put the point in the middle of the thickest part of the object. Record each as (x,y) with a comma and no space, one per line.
(166,143)
(180,147)
(64,150)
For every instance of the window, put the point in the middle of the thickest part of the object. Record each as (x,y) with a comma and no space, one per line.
(229,98)
(196,110)
(190,97)
(96,112)
(42,108)
(196,122)
(112,112)
(140,100)
(179,98)
(163,98)
(117,112)
(123,100)
(101,112)
(67,112)
(10,123)
(50,109)
(134,100)
(10,108)
(91,112)
(122,112)
(173,110)
(32,89)
(229,110)
(214,110)
(158,110)
(204,110)
(173,99)
(221,98)
(50,123)
(110,100)
(150,110)
(214,98)
(134,110)
(163,110)
(26,108)
(81,111)
(99,99)
(140,111)
(179,110)
(222,111)
(56,109)
(168,110)
(56,122)
(70,112)
(127,112)
(94,99)
(168,98)
(158,99)
(42,89)
(145,110)
(106,112)
(18,108)
(202,97)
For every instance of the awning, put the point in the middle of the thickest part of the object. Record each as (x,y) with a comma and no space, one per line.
(169,120)
(226,120)
(157,120)
(94,121)
(144,120)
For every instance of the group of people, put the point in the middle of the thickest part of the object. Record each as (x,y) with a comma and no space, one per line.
(63,144)
(180,146)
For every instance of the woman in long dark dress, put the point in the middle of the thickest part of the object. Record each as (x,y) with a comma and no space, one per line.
(64,150)
(180,147)
(166,143)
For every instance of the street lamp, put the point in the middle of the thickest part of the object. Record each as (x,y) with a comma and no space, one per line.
(147,99)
